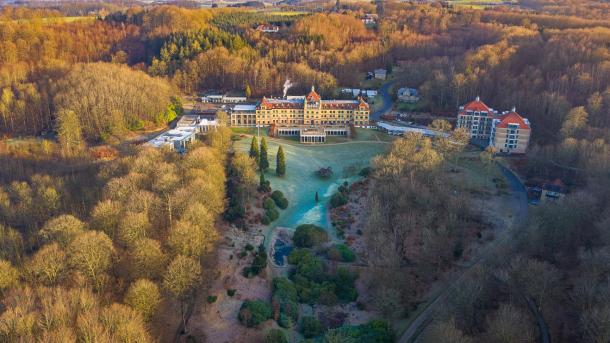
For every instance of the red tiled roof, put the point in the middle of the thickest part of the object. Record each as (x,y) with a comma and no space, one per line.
(269,104)
(363,104)
(339,106)
(313,96)
(477,106)
(512,118)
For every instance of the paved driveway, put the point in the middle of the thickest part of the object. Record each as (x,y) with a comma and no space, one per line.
(387,101)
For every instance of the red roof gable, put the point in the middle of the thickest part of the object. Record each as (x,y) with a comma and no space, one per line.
(512,118)
(477,106)
(362,104)
(313,96)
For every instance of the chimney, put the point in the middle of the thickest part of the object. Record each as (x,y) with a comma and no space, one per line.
(514,109)
(478,98)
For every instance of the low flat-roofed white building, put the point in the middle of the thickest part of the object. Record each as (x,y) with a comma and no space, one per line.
(187,128)
(194,121)
(176,139)
(232,99)
(401,130)
(214,98)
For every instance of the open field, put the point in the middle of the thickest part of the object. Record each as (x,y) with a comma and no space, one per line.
(481,4)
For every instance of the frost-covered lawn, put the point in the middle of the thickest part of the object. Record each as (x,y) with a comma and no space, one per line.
(300,183)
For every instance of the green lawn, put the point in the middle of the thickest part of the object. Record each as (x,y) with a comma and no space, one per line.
(300,183)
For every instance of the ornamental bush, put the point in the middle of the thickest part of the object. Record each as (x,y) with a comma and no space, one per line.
(254,312)
(309,235)
(279,199)
(269,204)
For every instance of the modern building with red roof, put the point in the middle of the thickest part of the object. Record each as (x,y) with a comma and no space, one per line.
(510,133)
(506,132)
(477,117)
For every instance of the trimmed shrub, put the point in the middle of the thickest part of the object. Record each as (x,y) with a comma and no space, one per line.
(309,235)
(231,292)
(279,199)
(265,220)
(254,312)
(212,299)
(269,204)
(270,215)
(311,327)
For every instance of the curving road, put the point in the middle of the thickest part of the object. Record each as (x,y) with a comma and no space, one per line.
(386,98)
(519,195)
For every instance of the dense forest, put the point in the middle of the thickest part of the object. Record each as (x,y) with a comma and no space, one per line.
(104,262)
(544,64)
(98,244)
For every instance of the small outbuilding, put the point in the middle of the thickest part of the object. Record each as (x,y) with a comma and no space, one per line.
(381,74)
(408,95)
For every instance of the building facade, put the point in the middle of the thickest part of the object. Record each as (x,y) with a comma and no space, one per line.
(506,132)
(477,118)
(310,110)
(510,133)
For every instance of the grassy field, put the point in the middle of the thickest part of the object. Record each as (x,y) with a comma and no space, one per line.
(300,183)
(481,4)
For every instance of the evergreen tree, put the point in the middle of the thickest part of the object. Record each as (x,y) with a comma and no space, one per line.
(264,159)
(254,153)
(248,91)
(280,167)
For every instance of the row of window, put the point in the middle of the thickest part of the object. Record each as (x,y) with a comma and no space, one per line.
(307,112)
